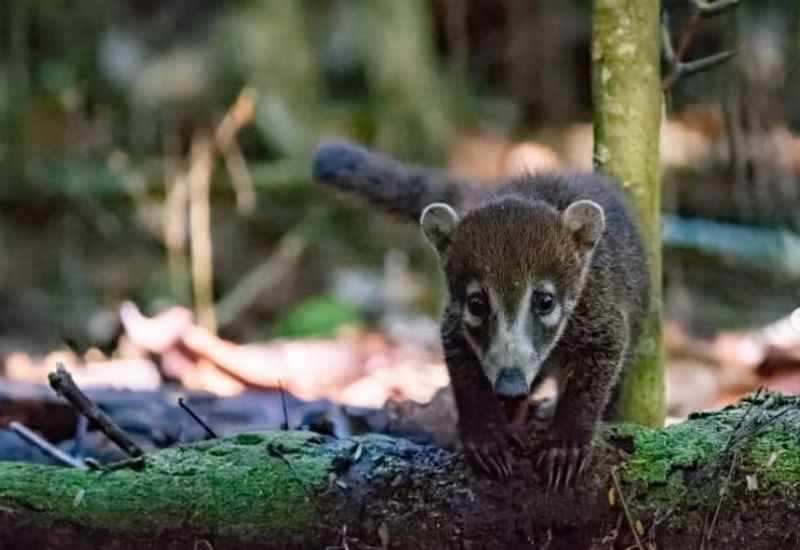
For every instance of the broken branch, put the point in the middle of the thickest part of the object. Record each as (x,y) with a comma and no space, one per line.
(61,381)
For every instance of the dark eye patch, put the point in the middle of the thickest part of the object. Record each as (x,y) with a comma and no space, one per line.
(543,302)
(478,304)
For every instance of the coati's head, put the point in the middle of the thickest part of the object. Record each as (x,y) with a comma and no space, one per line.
(515,270)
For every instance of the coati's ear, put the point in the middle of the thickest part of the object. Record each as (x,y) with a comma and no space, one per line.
(438,221)
(586,220)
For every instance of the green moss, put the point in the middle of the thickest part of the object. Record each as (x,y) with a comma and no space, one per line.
(659,453)
(664,463)
(774,459)
(241,477)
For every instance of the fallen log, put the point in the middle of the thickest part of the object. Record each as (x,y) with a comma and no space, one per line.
(725,479)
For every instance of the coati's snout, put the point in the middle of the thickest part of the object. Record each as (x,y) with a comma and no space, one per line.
(511,384)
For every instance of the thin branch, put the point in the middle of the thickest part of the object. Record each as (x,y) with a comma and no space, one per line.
(175,216)
(238,116)
(690,68)
(682,69)
(182,403)
(199,177)
(274,451)
(631,524)
(63,384)
(711,9)
(285,423)
(45,446)
(722,492)
(667,49)
(135,463)
(241,180)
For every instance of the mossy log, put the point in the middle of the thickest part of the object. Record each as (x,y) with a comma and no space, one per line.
(731,476)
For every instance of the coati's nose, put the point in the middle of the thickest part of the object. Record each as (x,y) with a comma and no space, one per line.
(511,383)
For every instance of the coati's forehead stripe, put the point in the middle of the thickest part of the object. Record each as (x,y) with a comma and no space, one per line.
(509,295)
(512,346)
(509,243)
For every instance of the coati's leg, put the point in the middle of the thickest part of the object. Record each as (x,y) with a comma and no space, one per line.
(586,381)
(483,427)
(610,412)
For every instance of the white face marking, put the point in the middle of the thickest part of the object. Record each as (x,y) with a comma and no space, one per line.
(511,346)
(551,319)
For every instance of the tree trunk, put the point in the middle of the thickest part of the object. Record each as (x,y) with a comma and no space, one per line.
(730,477)
(626,89)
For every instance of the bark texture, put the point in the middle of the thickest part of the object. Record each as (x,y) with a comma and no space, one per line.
(731,478)
(626,91)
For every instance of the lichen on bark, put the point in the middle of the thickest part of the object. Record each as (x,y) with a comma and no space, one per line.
(626,91)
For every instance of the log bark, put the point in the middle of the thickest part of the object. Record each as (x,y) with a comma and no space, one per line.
(730,478)
(626,94)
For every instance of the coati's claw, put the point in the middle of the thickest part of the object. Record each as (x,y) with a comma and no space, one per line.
(499,468)
(573,464)
(562,467)
(492,455)
(475,456)
(517,439)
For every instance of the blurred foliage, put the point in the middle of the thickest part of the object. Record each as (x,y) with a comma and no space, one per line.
(97,97)
(96,88)
(320,315)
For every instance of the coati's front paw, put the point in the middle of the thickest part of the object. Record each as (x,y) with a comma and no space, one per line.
(562,463)
(489,451)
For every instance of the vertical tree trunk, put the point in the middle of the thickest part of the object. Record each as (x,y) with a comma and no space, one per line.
(626,88)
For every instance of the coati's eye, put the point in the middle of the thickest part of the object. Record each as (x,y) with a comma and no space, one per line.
(543,302)
(478,304)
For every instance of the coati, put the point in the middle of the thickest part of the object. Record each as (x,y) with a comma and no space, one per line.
(546,277)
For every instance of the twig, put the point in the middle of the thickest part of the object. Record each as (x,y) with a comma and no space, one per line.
(732,436)
(285,423)
(239,115)
(678,68)
(182,403)
(199,177)
(135,463)
(64,385)
(45,446)
(710,9)
(175,216)
(273,451)
(689,68)
(625,508)
(722,492)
